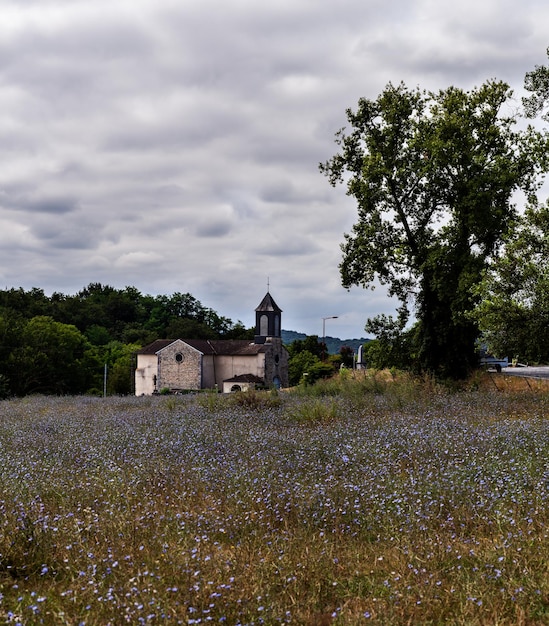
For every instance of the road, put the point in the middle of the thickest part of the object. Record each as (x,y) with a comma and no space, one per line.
(541,371)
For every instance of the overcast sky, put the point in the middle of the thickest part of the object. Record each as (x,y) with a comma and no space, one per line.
(173,145)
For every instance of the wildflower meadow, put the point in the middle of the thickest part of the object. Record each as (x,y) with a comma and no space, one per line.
(368,501)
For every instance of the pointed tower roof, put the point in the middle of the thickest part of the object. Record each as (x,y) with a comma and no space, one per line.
(268,304)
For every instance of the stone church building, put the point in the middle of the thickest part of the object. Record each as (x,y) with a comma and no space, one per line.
(225,365)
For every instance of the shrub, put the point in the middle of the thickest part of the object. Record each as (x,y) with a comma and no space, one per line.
(315,411)
(254,399)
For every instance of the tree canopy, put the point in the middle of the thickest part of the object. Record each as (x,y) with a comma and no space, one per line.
(513,309)
(537,83)
(434,176)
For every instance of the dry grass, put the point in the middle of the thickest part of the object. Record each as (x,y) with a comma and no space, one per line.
(384,501)
(513,384)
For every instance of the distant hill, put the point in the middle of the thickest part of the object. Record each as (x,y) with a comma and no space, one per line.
(333,344)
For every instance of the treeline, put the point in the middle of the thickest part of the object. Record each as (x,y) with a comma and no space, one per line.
(61,343)
(333,344)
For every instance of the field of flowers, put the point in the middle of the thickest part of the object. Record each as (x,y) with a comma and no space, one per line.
(364,505)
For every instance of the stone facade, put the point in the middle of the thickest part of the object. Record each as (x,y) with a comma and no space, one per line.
(276,366)
(179,367)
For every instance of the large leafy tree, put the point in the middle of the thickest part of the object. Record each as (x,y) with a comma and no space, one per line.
(433,175)
(52,358)
(513,312)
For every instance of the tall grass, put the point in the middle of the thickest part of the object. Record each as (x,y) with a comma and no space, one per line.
(388,501)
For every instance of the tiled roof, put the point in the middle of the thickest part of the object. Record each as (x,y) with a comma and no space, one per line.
(241,347)
(226,346)
(155,346)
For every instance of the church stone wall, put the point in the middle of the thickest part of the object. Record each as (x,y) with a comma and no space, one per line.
(179,367)
(276,363)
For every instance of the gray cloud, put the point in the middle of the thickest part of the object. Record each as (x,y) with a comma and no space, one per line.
(174,146)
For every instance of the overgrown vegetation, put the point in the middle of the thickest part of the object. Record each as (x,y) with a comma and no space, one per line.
(382,499)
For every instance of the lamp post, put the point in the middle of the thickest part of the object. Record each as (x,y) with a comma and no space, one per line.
(330,317)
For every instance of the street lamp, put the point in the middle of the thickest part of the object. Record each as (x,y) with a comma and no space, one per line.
(330,317)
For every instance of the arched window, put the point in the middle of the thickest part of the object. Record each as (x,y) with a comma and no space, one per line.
(264,325)
(236,388)
(277,326)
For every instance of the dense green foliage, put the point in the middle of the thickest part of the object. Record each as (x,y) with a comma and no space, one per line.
(309,360)
(306,362)
(513,312)
(434,176)
(61,344)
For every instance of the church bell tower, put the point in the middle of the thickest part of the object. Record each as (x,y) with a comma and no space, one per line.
(267,320)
